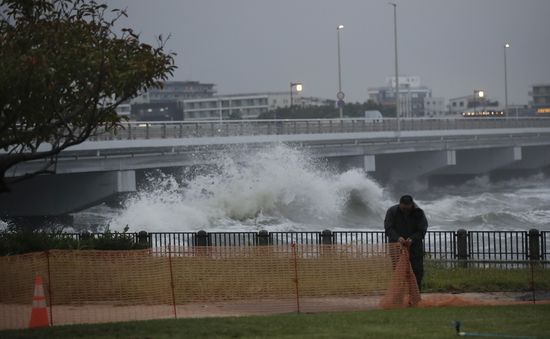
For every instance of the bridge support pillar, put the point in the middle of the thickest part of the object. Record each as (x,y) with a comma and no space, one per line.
(60,194)
(532,157)
(406,166)
(369,163)
(483,160)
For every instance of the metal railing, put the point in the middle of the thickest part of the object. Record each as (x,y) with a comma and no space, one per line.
(217,128)
(441,245)
(498,245)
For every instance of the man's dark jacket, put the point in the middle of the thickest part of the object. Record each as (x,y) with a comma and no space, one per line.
(413,225)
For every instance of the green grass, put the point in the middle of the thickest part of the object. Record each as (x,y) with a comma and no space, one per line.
(524,320)
(438,278)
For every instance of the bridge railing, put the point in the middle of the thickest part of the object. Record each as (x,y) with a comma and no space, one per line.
(187,129)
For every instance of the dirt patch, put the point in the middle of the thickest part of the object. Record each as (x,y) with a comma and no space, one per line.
(14,316)
(481,299)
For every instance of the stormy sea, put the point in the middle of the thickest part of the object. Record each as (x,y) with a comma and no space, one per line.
(279,188)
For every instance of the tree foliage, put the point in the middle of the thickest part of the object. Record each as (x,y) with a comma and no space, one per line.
(351,110)
(63,71)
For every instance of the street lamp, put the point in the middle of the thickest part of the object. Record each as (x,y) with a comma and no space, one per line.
(340,93)
(397,110)
(299,88)
(506,46)
(478,93)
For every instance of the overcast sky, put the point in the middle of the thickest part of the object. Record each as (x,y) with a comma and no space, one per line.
(455,46)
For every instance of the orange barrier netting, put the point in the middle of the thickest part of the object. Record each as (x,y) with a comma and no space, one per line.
(403,289)
(108,286)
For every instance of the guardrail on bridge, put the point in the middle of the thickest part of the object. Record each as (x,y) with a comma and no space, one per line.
(221,128)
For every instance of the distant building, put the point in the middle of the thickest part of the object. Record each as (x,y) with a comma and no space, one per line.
(173,91)
(192,100)
(158,104)
(520,110)
(238,106)
(540,99)
(470,103)
(124,109)
(243,106)
(157,111)
(411,95)
(460,104)
(435,107)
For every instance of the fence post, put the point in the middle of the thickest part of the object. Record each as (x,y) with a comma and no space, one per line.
(534,244)
(143,238)
(263,238)
(462,245)
(174,306)
(296,281)
(326,237)
(50,284)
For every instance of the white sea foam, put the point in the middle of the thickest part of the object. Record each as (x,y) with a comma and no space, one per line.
(517,204)
(279,188)
(276,188)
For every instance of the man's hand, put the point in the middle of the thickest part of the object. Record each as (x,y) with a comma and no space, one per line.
(404,241)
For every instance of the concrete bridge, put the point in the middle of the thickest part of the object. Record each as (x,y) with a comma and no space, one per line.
(106,165)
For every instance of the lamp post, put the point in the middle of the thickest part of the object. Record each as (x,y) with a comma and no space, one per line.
(397,110)
(506,46)
(341,108)
(299,88)
(478,93)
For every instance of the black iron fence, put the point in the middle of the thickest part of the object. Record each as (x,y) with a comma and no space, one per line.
(441,245)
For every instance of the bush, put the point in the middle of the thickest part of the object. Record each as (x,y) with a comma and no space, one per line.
(19,242)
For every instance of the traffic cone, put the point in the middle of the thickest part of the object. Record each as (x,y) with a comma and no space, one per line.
(39,314)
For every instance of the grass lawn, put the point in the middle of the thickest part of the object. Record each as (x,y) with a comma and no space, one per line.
(438,278)
(524,320)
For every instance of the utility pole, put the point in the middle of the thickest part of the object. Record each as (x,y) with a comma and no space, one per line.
(397,108)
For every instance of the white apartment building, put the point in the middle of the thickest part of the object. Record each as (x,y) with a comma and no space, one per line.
(460,104)
(243,106)
(434,107)
(412,95)
(172,91)
(404,80)
(471,103)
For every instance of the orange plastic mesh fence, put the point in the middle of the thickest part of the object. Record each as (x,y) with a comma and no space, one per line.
(107,286)
(403,289)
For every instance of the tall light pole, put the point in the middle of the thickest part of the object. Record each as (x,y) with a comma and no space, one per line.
(340,93)
(397,110)
(299,88)
(506,46)
(478,93)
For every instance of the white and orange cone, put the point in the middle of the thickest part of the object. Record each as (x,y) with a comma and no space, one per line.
(39,314)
